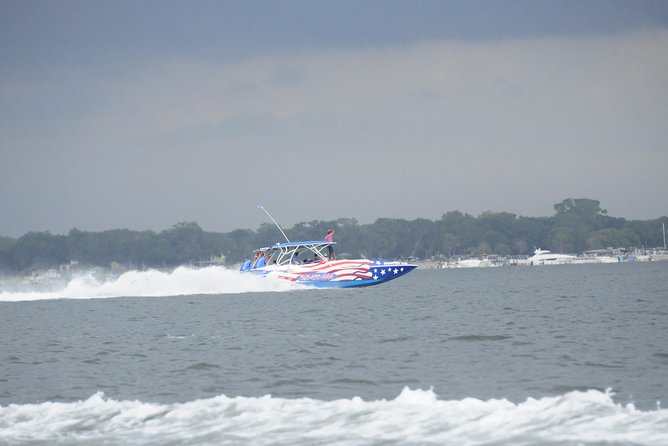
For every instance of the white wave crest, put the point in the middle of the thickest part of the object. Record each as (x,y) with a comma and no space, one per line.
(181,281)
(414,417)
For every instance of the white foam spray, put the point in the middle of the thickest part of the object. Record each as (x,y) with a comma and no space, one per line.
(154,283)
(414,417)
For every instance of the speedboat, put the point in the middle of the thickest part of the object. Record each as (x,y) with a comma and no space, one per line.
(307,263)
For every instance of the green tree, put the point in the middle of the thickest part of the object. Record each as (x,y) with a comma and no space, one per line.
(562,239)
(450,243)
(38,250)
(611,237)
(582,207)
(578,224)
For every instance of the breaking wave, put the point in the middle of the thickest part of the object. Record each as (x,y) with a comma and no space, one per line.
(414,417)
(154,283)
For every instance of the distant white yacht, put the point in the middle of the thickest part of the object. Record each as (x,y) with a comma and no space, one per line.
(476,262)
(545,257)
(603,256)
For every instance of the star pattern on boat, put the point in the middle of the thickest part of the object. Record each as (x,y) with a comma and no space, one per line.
(384,271)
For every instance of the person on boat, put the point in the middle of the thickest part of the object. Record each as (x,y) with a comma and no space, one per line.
(330,249)
(262,261)
(295,259)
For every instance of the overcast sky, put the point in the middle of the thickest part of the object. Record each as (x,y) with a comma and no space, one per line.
(143,114)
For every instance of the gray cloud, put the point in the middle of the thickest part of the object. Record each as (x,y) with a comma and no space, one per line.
(406,131)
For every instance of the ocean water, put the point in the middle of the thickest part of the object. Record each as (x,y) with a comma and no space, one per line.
(492,356)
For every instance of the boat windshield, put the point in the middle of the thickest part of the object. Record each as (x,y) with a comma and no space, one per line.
(296,252)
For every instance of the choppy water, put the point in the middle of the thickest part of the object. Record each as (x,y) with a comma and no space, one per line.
(516,355)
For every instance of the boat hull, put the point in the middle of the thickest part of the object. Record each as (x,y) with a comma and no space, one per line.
(338,273)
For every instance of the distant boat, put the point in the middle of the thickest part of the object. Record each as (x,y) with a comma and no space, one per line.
(545,257)
(475,262)
(604,256)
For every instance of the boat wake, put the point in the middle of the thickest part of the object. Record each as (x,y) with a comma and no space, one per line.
(414,417)
(153,283)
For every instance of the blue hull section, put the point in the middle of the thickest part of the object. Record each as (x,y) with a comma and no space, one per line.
(338,275)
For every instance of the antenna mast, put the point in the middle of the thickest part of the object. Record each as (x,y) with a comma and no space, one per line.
(272,219)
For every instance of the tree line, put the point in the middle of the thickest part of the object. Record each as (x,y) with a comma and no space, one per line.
(577,225)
